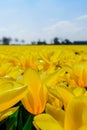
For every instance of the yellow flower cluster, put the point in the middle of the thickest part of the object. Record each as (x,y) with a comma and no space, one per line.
(45,78)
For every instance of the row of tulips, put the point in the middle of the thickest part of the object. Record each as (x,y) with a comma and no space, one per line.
(48,85)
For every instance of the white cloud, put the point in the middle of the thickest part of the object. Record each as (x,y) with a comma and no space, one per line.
(82,17)
(63,29)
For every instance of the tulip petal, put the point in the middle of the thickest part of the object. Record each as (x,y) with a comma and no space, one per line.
(46,122)
(58,114)
(78,91)
(10,93)
(4,69)
(83,128)
(7,113)
(76,113)
(62,93)
(32,79)
(15,72)
(54,78)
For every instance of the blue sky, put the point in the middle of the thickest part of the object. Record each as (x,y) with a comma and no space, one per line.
(43,19)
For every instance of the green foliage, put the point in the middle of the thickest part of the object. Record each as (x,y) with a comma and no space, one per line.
(29,125)
(20,120)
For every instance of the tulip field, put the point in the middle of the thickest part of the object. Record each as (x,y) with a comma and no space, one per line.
(43,87)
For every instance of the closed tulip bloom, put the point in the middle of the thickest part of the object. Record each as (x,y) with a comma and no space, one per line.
(35,99)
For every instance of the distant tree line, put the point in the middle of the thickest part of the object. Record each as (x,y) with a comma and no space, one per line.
(8,41)
(55,41)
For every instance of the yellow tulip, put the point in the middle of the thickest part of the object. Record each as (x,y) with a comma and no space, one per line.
(27,61)
(53,111)
(4,69)
(62,93)
(35,99)
(15,72)
(46,122)
(10,93)
(54,78)
(75,117)
(54,101)
(77,91)
(80,74)
(83,128)
(76,114)
(7,113)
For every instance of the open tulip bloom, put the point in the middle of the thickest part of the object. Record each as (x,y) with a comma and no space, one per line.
(10,93)
(74,118)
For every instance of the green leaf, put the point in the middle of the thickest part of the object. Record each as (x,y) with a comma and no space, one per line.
(19,120)
(25,115)
(12,122)
(28,124)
